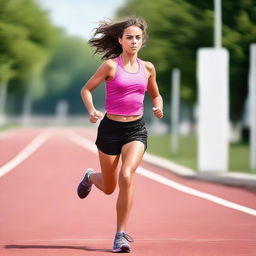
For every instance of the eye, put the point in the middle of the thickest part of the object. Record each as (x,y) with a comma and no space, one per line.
(138,37)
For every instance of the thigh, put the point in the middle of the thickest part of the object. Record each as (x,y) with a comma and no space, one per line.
(132,154)
(109,137)
(109,169)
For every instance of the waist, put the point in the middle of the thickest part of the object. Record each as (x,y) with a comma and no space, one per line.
(128,105)
(120,118)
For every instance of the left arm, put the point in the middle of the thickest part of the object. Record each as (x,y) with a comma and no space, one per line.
(154,91)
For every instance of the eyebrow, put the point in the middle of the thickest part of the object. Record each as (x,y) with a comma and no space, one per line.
(135,35)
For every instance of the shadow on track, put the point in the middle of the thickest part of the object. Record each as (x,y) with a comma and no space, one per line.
(27,246)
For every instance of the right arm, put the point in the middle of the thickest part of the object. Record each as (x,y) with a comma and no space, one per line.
(154,91)
(103,73)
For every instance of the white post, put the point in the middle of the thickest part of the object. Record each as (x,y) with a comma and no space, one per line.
(217,24)
(175,95)
(213,126)
(3,95)
(252,105)
(62,111)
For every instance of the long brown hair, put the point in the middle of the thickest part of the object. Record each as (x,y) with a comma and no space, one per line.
(105,38)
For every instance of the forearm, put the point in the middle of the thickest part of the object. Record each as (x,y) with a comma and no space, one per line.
(88,100)
(158,102)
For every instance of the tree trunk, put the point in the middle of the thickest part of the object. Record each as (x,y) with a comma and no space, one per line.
(3,96)
(27,106)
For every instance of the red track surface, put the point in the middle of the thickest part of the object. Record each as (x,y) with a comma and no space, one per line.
(42,215)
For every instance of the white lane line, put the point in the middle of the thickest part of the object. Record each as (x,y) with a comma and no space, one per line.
(81,141)
(194,192)
(25,152)
(89,145)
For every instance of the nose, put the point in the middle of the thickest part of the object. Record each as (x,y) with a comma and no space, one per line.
(134,40)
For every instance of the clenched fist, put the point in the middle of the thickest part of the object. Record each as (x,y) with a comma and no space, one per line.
(95,115)
(158,112)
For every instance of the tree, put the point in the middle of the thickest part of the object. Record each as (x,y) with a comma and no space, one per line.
(27,37)
(177,28)
(68,69)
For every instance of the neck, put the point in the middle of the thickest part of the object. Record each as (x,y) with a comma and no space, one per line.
(128,57)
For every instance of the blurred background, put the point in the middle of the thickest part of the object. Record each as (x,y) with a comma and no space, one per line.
(45,60)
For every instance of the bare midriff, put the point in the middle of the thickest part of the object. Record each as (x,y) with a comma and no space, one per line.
(123,118)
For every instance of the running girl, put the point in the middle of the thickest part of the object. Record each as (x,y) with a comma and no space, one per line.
(122,134)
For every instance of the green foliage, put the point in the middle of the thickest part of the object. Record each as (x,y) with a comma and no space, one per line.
(36,55)
(8,33)
(5,69)
(26,40)
(68,69)
(70,58)
(177,28)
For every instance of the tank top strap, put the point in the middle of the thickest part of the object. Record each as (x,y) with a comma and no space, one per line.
(119,61)
(142,67)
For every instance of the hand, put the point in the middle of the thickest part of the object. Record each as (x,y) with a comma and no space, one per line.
(94,116)
(158,112)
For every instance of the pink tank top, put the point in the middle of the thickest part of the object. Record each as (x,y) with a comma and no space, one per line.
(125,92)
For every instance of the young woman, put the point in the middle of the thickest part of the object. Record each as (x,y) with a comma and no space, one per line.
(121,134)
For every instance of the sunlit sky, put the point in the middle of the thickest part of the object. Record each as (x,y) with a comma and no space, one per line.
(80,17)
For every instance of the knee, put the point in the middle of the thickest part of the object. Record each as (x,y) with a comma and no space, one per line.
(109,190)
(125,179)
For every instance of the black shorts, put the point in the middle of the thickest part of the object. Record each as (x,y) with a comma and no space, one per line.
(112,135)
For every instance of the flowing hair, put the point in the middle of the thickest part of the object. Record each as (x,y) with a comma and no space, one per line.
(105,38)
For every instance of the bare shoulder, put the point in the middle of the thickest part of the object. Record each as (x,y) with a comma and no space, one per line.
(107,67)
(110,63)
(149,67)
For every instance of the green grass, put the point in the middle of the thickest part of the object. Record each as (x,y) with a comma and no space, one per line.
(7,127)
(187,152)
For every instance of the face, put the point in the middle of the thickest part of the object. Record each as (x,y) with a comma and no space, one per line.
(131,40)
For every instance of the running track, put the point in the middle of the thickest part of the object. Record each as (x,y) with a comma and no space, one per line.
(40,213)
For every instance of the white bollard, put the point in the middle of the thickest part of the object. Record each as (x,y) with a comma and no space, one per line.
(213,110)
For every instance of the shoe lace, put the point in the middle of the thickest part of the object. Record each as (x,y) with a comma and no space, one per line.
(128,237)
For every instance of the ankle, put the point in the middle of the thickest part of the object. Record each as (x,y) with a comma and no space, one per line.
(120,231)
(89,178)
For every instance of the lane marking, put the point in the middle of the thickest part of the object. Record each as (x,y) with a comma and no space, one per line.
(89,145)
(34,145)
(81,141)
(194,192)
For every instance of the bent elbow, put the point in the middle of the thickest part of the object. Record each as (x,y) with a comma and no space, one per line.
(83,91)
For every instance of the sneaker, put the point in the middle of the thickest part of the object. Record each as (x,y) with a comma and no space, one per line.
(121,243)
(84,186)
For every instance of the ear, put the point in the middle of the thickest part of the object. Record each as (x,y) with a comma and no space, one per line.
(120,40)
